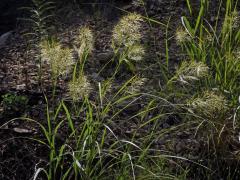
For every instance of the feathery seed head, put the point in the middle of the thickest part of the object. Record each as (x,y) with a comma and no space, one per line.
(60,59)
(84,41)
(137,84)
(128,31)
(135,52)
(182,36)
(209,104)
(191,71)
(79,88)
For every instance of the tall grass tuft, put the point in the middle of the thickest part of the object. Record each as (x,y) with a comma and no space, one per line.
(216,48)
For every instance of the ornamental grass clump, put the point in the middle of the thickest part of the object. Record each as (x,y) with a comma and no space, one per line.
(218,51)
(59,58)
(79,88)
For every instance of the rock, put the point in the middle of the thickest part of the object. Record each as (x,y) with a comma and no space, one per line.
(21,87)
(22,131)
(4,38)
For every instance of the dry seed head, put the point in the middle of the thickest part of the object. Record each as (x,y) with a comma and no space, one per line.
(191,71)
(137,84)
(128,31)
(60,59)
(79,88)
(136,52)
(182,36)
(209,104)
(84,41)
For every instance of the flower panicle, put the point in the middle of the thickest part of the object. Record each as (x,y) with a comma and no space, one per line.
(60,59)
(128,31)
(137,85)
(192,71)
(84,42)
(210,103)
(136,52)
(79,88)
(182,36)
